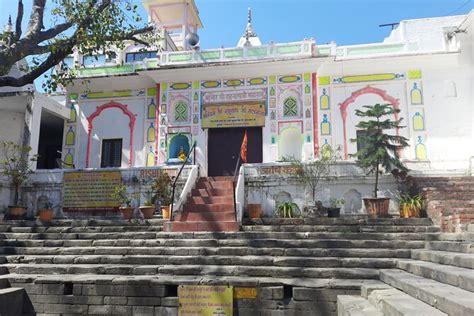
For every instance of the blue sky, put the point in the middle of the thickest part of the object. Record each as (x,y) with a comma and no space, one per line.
(343,21)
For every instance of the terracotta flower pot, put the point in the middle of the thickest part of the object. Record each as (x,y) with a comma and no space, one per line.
(165,210)
(377,207)
(45,214)
(409,211)
(127,212)
(16,212)
(254,211)
(147,211)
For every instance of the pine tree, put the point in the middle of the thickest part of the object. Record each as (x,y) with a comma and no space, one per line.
(380,150)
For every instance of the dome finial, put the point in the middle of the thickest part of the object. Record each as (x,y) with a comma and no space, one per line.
(9,25)
(249,29)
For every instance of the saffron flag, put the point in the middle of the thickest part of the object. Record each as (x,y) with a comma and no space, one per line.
(243,148)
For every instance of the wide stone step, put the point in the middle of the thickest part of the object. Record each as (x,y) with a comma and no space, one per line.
(210,251)
(218,207)
(218,270)
(452,246)
(261,260)
(447,298)
(342,228)
(353,305)
(260,243)
(11,301)
(460,277)
(463,260)
(195,226)
(392,302)
(205,216)
(217,235)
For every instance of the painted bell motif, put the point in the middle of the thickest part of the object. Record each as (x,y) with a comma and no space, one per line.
(152,109)
(325,126)
(324,101)
(69,159)
(70,137)
(420,150)
(72,114)
(326,150)
(415,95)
(150,133)
(418,122)
(150,158)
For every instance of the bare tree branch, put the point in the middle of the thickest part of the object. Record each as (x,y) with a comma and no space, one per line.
(36,18)
(19,19)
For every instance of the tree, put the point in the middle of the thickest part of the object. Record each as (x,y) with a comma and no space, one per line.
(86,25)
(379,149)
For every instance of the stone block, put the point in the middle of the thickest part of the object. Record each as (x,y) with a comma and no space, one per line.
(270,292)
(39,298)
(320,295)
(166,311)
(64,309)
(366,289)
(171,301)
(144,301)
(86,300)
(114,300)
(77,289)
(57,288)
(102,289)
(145,290)
(110,309)
(143,310)
(247,312)
(30,288)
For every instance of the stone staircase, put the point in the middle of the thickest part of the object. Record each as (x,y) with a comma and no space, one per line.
(450,201)
(209,208)
(436,280)
(298,267)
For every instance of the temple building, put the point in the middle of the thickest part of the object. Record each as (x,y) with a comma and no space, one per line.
(294,99)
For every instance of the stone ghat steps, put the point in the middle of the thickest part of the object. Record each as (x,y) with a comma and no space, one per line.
(256,243)
(444,297)
(250,235)
(207,251)
(261,260)
(89,223)
(463,260)
(199,270)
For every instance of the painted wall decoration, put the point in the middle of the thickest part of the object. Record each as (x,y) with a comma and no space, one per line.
(420,149)
(150,135)
(289,79)
(181,111)
(314,86)
(256,81)
(69,158)
(272,103)
(290,101)
(234,82)
(211,84)
(150,157)
(418,122)
(72,113)
(178,143)
(324,100)
(416,95)
(326,150)
(233,115)
(368,78)
(290,143)
(290,107)
(70,136)
(180,86)
(325,125)
(151,111)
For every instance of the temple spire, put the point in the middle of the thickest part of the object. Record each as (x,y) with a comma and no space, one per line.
(9,25)
(249,38)
(249,29)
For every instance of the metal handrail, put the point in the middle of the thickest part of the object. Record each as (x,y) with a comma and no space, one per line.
(177,177)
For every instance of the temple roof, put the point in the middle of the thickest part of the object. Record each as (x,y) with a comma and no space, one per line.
(249,38)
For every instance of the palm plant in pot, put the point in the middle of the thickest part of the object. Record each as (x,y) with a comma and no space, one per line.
(161,189)
(380,150)
(125,199)
(17,166)
(288,210)
(147,209)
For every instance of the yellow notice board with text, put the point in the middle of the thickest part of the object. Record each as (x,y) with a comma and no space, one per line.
(233,115)
(205,300)
(90,190)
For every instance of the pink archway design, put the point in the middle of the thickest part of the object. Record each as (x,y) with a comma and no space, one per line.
(367,90)
(97,112)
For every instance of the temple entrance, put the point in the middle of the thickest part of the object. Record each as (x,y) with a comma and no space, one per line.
(224,149)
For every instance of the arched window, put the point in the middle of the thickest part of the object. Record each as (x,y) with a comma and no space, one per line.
(181,111)
(291,144)
(290,107)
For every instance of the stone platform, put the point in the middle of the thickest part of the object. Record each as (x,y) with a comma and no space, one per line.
(299,267)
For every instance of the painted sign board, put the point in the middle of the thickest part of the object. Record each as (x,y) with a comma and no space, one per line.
(205,300)
(219,97)
(233,115)
(90,190)
(245,292)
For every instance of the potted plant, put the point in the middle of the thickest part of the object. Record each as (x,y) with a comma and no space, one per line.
(147,209)
(334,209)
(410,206)
(45,209)
(161,189)
(288,210)
(379,151)
(125,200)
(17,166)
(254,211)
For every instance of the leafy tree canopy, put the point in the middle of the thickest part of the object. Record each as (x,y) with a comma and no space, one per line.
(86,25)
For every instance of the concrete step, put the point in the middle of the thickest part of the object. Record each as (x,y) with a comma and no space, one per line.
(352,305)
(197,270)
(447,298)
(451,246)
(463,260)
(259,260)
(217,226)
(5,238)
(342,228)
(199,216)
(393,302)
(210,251)
(456,276)
(212,192)
(214,185)
(11,301)
(211,199)
(259,243)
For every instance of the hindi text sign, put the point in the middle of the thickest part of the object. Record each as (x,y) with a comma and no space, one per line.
(204,300)
(233,115)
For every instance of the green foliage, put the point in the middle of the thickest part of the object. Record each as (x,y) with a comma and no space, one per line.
(411,201)
(380,150)
(120,195)
(161,189)
(288,210)
(148,199)
(17,165)
(336,203)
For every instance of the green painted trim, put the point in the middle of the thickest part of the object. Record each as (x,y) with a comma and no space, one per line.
(324,81)
(234,53)
(324,51)
(288,49)
(109,94)
(414,74)
(211,55)
(151,92)
(180,57)
(256,51)
(73,96)
(375,50)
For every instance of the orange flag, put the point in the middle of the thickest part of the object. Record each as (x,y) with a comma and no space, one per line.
(243,148)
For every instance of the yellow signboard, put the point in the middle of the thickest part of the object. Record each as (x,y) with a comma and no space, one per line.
(204,300)
(245,292)
(90,190)
(233,115)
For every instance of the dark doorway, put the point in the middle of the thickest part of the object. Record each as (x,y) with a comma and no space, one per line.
(224,149)
(50,140)
(111,153)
